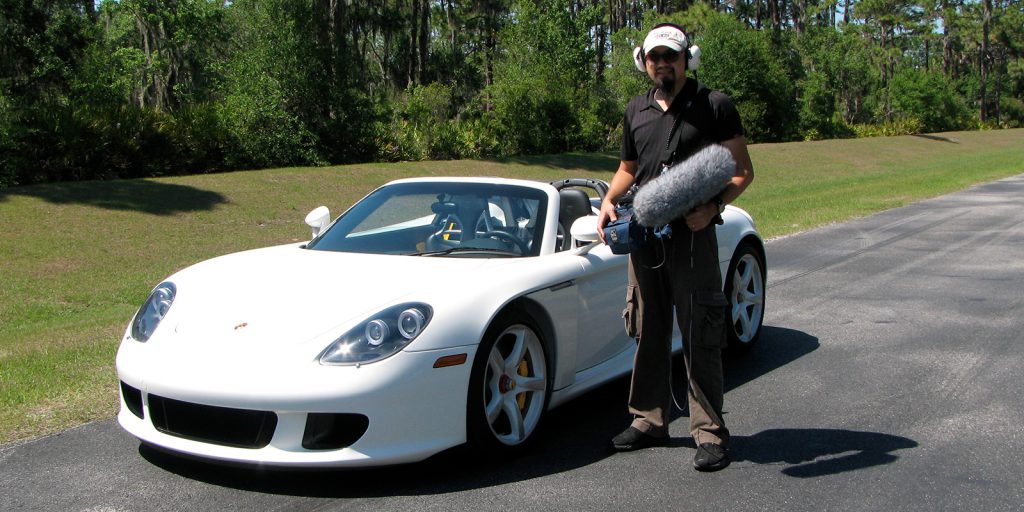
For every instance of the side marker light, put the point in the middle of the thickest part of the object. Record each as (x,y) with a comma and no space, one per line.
(446,361)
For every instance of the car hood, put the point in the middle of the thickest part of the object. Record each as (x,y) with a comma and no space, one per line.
(289,295)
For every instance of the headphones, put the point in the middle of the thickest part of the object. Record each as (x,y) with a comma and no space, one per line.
(692,53)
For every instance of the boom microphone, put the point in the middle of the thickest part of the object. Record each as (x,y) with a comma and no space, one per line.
(684,186)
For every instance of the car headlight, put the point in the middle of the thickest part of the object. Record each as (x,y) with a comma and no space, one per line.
(153,311)
(379,337)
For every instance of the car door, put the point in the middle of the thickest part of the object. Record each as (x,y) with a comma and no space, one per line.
(601,299)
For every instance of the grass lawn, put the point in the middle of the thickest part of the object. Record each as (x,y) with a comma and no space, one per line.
(77,259)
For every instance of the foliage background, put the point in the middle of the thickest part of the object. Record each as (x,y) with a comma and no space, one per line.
(131,88)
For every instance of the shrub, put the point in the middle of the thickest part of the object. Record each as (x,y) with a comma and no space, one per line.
(817,107)
(890,128)
(928,97)
(263,132)
(1012,112)
(200,139)
(8,147)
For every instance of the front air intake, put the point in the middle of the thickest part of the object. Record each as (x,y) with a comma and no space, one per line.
(328,431)
(132,400)
(241,428)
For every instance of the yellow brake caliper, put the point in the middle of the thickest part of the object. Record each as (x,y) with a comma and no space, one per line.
(524,370)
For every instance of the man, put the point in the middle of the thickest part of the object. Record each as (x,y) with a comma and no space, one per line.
(673,120)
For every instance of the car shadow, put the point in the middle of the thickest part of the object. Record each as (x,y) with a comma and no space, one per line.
(575,435)
(141,195)
(777,347)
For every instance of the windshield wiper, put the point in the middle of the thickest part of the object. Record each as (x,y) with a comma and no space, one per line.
(454,250)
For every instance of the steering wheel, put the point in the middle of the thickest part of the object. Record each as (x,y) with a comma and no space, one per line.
(508,237)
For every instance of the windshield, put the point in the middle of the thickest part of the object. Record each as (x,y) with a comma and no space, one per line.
(444,219)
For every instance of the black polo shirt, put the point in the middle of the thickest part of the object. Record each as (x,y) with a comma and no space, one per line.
(704,117)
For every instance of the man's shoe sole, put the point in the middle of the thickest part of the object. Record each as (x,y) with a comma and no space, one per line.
(651,441)
(722,464)
(719,464)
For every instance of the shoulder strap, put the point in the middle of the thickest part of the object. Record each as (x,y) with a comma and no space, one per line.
(672,143)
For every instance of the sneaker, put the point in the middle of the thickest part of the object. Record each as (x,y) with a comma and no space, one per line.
(633,439)
(710,457)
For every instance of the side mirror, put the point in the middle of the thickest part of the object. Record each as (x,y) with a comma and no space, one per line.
(318,219)
(584,231)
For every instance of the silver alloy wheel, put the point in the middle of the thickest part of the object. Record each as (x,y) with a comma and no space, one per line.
(747,297)
(515,385)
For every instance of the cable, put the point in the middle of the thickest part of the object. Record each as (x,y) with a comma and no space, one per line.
(687,345)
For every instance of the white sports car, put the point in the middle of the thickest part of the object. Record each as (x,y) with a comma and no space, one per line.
(434,312)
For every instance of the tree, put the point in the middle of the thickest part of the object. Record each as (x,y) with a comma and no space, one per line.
(168,49)
(42,46)
(546,95)
(42,43)
(271,91)
(889,22)
(744,64)
(838,78)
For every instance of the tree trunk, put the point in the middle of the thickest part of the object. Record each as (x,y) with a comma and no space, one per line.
(927,52)
(985,25)
(450,14)
(799,11)
(776,15)
(614,22)
(602,40)
(412,69)
(947,45)
(424,25)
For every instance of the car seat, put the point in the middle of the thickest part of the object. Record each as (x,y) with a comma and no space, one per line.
(573,203)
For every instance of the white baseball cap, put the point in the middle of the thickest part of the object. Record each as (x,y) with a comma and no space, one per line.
(667,36)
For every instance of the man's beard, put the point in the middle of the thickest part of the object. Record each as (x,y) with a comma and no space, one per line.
(667,85)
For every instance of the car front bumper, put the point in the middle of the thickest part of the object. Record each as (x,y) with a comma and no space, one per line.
(411,409)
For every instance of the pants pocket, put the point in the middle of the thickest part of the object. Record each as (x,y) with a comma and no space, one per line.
(631,315)
(709,308)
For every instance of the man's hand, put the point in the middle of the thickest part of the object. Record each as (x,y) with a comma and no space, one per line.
(620,184)
(701,216)
(606,215)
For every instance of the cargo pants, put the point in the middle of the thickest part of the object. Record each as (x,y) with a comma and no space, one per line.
(665,276)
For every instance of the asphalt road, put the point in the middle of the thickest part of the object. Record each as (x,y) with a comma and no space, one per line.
(888,377)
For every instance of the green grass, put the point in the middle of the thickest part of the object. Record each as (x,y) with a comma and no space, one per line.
(77,259)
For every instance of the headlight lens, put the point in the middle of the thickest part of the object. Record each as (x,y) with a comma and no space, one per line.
(411,322)
(379,337)
(153,311)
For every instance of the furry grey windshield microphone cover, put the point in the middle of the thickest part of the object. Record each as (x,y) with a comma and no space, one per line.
(684,186)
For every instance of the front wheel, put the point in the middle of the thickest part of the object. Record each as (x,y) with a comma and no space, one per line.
(745,289)
(508,389)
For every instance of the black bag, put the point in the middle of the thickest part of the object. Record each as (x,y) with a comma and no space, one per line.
(625,234)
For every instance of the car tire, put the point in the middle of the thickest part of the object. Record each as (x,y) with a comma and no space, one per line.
(745,290)
(509,387)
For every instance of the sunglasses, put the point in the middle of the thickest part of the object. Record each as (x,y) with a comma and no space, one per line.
(669,56)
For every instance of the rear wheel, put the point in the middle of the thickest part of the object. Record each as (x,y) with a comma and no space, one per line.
(745,289)
(508,389)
